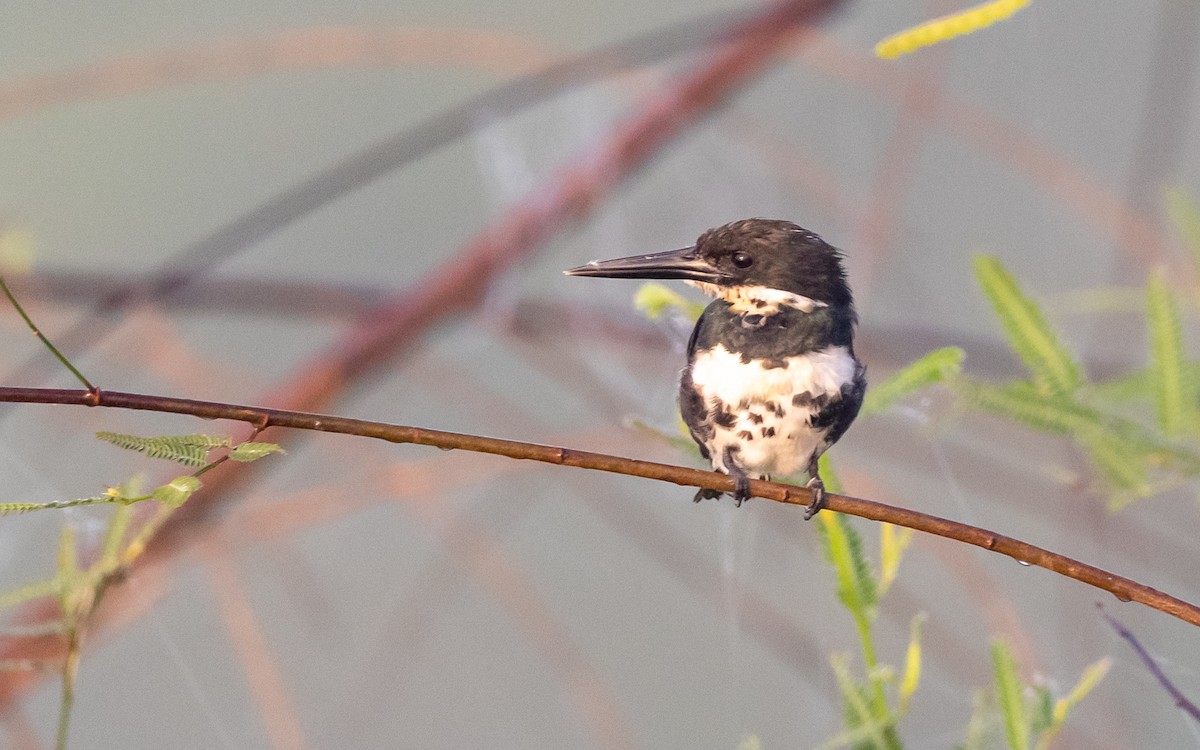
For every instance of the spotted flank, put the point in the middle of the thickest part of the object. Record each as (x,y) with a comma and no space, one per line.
(768,417)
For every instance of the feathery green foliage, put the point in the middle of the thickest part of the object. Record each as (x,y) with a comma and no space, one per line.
(1124,471)
(1030,715)
(935,367)
(1121,450)
(1010,692)
(1022,402)
(1053,368)
(1185,215)
(870,718)
(1041,709)
(843,549)
(1174,393)
(189,450)
(1135,452)
(9,509)
(1139,386)
(869,730)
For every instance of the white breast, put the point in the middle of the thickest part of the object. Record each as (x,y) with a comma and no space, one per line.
(773,405)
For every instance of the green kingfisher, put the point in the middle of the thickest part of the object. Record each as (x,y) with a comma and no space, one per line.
(771,379)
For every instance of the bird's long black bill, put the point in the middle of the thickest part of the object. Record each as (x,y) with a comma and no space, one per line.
(674,264)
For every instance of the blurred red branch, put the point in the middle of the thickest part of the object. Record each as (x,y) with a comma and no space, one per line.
(460,283)
(261,417)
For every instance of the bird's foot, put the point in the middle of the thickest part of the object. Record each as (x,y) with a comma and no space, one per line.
(706,494)
(818,497)
(741,489)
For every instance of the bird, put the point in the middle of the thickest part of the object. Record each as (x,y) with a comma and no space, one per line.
(771,380)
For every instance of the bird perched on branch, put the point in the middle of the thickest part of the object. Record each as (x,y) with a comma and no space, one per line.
(771,379)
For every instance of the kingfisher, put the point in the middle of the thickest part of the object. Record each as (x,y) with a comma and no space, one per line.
(771,380)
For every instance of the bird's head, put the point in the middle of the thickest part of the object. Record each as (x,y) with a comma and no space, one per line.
(767,259)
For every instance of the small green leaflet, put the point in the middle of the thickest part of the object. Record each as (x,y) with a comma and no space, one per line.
(189,450)
(176,492)
(1053,368)
(246,452)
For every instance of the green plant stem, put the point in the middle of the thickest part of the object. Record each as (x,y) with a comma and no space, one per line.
(53,349)
(67,702)
(877,727)
(879,707)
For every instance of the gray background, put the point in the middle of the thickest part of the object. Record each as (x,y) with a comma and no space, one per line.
(365,595)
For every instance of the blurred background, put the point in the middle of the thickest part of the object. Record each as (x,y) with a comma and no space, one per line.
(219,201)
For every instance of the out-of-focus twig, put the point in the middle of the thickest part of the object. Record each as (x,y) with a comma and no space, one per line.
(310,48)
(1181,701)
(459,284)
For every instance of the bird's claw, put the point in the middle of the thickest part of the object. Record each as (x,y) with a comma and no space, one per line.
(818,497)
(706,494)
(741,490)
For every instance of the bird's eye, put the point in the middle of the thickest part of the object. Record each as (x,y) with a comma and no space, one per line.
(742,260)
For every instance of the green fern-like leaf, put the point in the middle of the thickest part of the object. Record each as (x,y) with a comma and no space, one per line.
(1009,691)
(1185,215)
(935,367)
(189,450)
(1041,709)
(1022,402)
(1122,451)
(15,508)
(1123,468)
(843,548)
(833,482)
(1174,392)
(1133,387)
(1139,386)
(1053,368)
(860,721)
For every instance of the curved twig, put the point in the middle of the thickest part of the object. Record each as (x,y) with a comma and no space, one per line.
(1123,588)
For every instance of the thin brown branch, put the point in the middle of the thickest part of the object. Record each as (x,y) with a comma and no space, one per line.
(1123,588)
